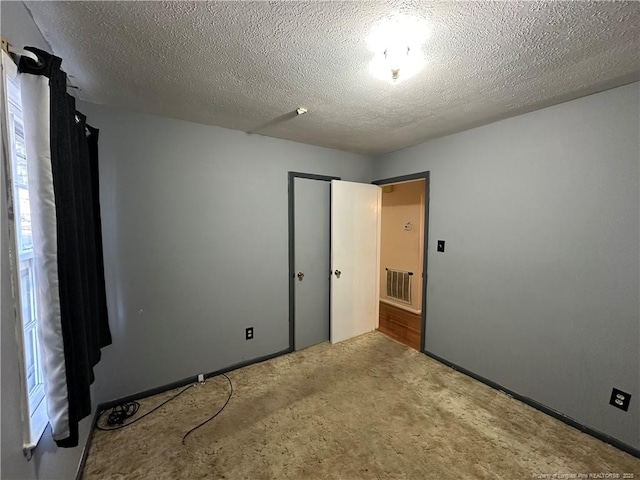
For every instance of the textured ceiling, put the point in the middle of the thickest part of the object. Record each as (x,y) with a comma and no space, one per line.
(248,65)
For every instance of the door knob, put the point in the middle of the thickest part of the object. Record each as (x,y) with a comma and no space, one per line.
(338,273)
(300,276)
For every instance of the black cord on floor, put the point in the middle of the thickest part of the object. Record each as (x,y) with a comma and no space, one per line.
(120,413)
(215,414)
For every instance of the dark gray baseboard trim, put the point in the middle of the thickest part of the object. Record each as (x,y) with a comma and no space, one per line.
(246,363)
(154,391)
(187,381)
(87,445)
(543,408)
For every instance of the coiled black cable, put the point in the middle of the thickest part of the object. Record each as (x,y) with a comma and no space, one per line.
(120,413)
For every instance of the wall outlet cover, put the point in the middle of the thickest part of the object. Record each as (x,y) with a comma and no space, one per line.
(620,399)
(248,333)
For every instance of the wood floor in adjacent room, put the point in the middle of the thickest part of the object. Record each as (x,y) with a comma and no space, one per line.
(367,408)
(400,325)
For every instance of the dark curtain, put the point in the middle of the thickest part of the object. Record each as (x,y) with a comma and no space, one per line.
(74,164)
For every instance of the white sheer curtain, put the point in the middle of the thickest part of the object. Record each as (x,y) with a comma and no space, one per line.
(36,111)
(26,123)
(58,265)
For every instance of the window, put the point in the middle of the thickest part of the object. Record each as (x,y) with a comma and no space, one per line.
(24,279)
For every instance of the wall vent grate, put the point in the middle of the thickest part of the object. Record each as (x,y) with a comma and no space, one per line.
(399,285)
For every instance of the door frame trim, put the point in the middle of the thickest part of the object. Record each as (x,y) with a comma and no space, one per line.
(426,176)
(292,274)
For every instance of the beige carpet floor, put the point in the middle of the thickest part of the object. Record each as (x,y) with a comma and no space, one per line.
(368,408)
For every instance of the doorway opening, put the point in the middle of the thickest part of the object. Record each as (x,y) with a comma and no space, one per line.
(348,293)
(403,237)
(333,259)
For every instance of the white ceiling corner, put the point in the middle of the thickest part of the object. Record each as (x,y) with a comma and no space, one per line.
(244,65)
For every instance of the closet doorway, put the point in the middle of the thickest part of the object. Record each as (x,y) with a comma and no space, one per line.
(333,259)
(403,265)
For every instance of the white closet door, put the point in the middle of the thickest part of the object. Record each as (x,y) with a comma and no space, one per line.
(355,244)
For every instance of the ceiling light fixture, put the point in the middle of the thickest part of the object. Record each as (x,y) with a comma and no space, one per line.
(397,45)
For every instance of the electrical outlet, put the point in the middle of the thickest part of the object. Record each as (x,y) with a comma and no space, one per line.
(201,377)
(248,333)
(620,399)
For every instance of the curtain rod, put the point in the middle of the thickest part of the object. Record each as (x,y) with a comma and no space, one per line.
(7,47)
(10,49)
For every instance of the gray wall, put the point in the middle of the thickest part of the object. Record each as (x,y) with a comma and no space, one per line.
(48,462)
(195,243)
(538,289)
